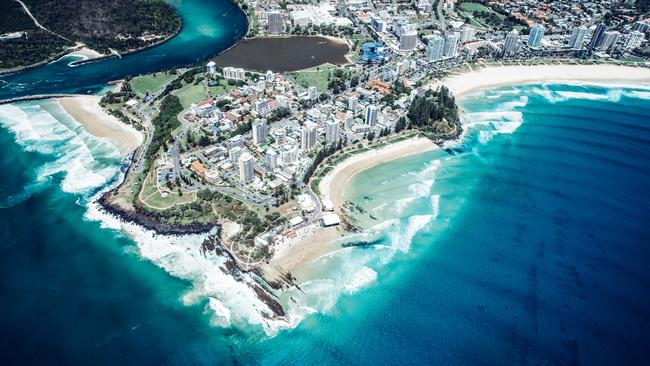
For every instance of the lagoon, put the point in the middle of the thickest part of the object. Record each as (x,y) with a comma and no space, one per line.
(282,54)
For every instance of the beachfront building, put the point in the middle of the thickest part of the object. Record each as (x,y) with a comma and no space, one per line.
(510,42)
(408,40)
(451,45)
(246,167)
(467,34)
(596,38)
(435,48)
(371,115)
(608,40)
(577,37)
(260,131)
(276,23)
(331,131)
(535,36)
(234,73)
(634,40)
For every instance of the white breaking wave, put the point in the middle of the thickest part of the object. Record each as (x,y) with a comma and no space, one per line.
(435,205)
(230,302)
(361,279)
(73,151)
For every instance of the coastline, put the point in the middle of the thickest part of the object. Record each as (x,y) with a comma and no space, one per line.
(333,185)
(86,111)
(496,76)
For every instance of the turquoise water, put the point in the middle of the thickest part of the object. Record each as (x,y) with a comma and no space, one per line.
(209,27)
(524,243)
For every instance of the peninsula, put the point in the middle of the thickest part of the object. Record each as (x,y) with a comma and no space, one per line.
(36,31)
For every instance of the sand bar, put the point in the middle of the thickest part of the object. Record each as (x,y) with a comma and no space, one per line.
(495,76)
(87,111)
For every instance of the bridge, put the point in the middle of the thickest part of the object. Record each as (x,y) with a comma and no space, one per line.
(38,97)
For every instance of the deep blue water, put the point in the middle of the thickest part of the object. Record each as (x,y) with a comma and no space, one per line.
(528,247)
(209,27)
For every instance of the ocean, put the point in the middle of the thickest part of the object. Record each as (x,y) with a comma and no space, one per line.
(525,242)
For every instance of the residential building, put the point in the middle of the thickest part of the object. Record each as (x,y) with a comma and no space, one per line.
(634,40)
(408,40)
(260,131)
(596,37)
(331,131)
(510,42)
(276,23)
(246,167)
(451,45)
(435,48)
(608,40)
(308,136)
(577,37)
(371,115)
(467,34)
(535,36)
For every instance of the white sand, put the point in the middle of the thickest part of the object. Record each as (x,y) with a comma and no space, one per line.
(495,76)
(334,183)
(87,53)
(86,111)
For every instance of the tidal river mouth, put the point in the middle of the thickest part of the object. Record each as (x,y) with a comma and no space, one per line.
(281,54)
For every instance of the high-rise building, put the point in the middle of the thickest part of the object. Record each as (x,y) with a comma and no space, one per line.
(260,131)
(596,37)
(308,136)
(331,131)
(272,158)
(641,26)
(349,119)
(212,68)
(535,35)
(408,40)
(435,48)
(378,24)
(634,40)
(269,76)
(312,92)
(577,37)
(276,23)
(246,167)
(451,45)
(234,153)
(608,40)
(234,73)
(353,101)
(510,42)
(371,115)
(467,34)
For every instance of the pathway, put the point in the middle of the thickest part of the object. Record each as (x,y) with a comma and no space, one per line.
(29,13)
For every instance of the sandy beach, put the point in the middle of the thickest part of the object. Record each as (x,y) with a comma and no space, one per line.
(91,116)
(495,76)
(295,254)
(334,183)
(86,53)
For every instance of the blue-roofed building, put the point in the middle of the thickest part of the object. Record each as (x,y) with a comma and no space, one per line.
(373,52)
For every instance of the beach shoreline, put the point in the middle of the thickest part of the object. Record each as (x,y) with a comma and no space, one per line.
(333,185)
(497,76)
(87,111)
(295,258)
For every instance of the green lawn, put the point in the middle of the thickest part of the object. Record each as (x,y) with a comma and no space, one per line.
(317,76)
(151,82)
(190,93)
(472,7)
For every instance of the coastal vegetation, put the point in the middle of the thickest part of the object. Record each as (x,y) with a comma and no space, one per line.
(164,123)
(435,113)
(102,25)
